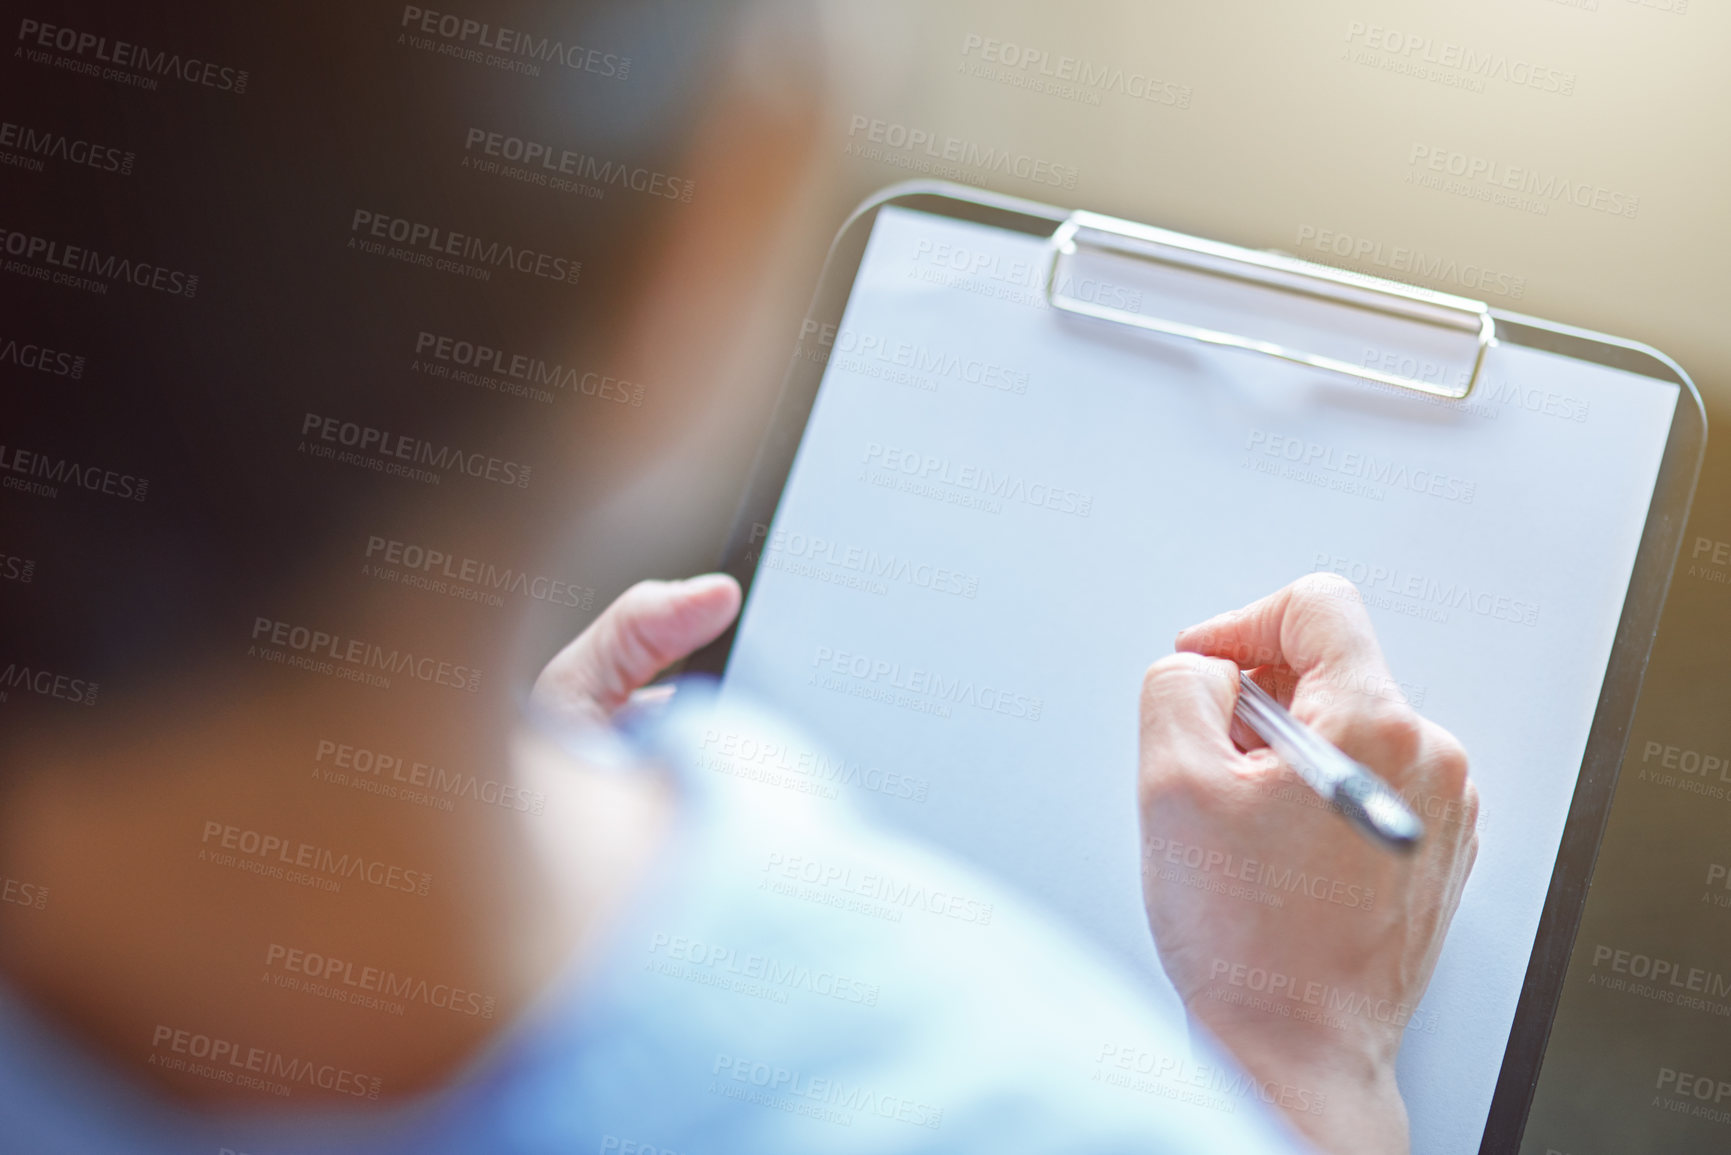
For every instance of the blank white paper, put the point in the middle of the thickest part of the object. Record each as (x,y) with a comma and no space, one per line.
(1000,515)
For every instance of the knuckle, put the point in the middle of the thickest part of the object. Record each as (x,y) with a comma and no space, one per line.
(1470,806)
(1326,589)
(1396,728)
(1391,729)
(1448,773)
(1452,766)
(1400,730)
(1453,769)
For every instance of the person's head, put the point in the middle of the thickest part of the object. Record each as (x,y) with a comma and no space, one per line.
(460,278)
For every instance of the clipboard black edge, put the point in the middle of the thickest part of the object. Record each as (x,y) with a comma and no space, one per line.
(1607,739)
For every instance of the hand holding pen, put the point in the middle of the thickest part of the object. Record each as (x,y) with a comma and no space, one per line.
(1301,943)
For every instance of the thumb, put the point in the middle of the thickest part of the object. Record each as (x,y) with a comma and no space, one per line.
(646,629)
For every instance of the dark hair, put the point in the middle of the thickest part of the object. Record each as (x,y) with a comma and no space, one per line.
(245,248)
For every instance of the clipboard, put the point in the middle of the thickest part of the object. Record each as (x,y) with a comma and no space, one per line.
(1225,332)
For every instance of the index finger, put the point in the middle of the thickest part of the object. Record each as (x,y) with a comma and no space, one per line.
(1317,627)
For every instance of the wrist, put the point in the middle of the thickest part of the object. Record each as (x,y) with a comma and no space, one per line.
(1340,1094)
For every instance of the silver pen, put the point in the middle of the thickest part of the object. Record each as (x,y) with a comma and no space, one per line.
(1351,787)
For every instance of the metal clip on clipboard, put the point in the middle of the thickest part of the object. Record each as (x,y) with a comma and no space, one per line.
(1092,231)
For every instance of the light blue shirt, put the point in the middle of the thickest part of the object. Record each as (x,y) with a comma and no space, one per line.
(790,980)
